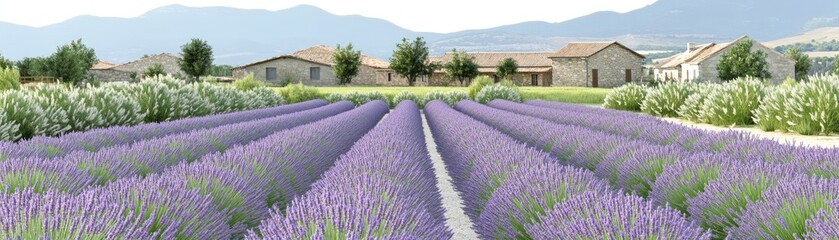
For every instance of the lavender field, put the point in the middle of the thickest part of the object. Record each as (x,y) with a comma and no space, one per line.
(501,170)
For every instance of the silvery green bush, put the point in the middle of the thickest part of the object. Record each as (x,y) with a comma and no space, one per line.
(189,103)
(262,97)
(733,102)
(115,107)
(665,100)
(813,107)
(157,102)
(454,96)
(334,97)
(435,95)
(68,111)
(376,95)
(770,115)
(8,130)
(627,97)
(222,99)
(357,98)
(691,109)
(406,95)
(24,111)
(489,93)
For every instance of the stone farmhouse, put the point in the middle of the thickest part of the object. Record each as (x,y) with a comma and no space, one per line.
(596,64)
(313,66)
(109,72)
(698,63)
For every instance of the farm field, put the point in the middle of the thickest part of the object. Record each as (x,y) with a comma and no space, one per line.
(579,95)
(502,170)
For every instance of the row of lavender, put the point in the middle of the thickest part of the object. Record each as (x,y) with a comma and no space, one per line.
(218,197)
(512,191)
(735,185)
(93,140)
(79,170)
(383,188)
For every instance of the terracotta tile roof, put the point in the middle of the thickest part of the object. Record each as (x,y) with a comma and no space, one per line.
(697,54)
(322,55)
(587,49)
(103,65)
(527,61)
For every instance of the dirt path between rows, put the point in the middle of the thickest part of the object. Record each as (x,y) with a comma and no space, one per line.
(786,138)
(456,219)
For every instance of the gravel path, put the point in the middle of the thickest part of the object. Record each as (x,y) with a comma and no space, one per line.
(456,218)
(831,141)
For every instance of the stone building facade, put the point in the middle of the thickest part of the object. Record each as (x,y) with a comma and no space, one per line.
(108,72)
(596,64)
(313,66)
(534,68)
(699,63)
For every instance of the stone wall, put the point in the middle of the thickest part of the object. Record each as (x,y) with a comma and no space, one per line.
(298,70)
(524,78)
(570,72)
(395,79)
(612,63)
(110,75)
(168,61)
(780,66)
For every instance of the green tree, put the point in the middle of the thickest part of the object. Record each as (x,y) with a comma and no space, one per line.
(410,60)
(221,71)
(462,67)
(345,63)
(29,67)
(802,62)
(506,67)
(741,61)
(196,58)
(836,65)
(71,62)
(4,63)
(154,70)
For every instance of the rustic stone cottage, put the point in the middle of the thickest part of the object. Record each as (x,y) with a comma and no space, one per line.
(699,63)
(596,64)
(109,72)
(534,67)
(313,66)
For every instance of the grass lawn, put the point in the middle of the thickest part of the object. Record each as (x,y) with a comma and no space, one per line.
(579,95)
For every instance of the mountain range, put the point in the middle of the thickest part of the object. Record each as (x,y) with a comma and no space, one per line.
(240,36)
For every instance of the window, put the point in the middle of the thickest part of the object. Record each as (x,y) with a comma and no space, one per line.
(271,74)
(534,79)
(314,73)
(389,77)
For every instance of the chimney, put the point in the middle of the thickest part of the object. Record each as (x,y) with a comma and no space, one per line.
(691,46)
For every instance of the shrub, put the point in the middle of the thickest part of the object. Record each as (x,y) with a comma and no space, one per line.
(23,111)
(627,97)
(454,96)
(9,79)
(262,97)
(507,83)
(222,99)
(357,98)
(493,92)
(156,100)
(8,130)
(296,93)
(54,101)
(770,115)
(247,83)
(80,115)
(435,95)
(115,107)
(813,107)
(477,84)
(733,102)
(375,95)
(691,109)
(189,103)
(666,99)
(334,97)
(406,95)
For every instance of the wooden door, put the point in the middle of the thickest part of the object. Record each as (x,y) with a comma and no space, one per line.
(594,78)
(628,75)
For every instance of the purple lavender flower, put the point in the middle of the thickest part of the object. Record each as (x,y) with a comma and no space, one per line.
(786,208)
(686,178)
(593,215)
(641,170)
(41,176)
(824,225)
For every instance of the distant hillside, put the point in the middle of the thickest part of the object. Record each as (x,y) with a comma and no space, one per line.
(240,36)
(818,35)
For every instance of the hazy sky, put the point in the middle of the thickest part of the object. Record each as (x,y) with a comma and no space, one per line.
(417,15)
